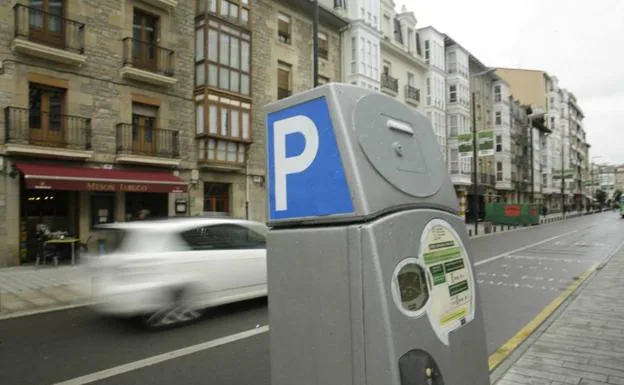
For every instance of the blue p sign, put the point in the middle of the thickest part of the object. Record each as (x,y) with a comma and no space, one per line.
(306,177)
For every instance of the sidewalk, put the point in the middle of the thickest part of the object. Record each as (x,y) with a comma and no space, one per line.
(26,288)
(584,344)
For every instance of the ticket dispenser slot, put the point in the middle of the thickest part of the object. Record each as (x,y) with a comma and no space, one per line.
(370,279)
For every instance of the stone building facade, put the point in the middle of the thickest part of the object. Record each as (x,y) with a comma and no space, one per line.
(97,122)
(282,55)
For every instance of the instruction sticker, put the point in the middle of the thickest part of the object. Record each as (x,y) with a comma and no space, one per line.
(446,262)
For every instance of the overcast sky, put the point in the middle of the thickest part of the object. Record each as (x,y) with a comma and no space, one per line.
(579,41)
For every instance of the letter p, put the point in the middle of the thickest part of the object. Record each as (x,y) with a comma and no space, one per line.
(295,164)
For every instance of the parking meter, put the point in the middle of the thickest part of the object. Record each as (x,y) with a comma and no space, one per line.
(369,272)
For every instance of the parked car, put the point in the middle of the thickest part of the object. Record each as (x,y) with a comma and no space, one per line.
(168,271)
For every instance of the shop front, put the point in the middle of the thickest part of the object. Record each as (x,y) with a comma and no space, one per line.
(74,200)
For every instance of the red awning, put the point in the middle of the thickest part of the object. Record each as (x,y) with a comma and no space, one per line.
(50,177)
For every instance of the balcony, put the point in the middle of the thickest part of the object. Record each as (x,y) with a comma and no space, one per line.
(148,62)
(412,95)
(389,84)
(44,134)
(45,35)
(221,153)
(487,179)
(147,145)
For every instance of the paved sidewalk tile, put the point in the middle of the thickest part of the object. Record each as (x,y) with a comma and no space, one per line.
(585,345)
(26,288)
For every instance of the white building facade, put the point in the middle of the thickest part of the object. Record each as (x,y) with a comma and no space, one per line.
(361,55)
(435,84)
(502,138)
(403,69)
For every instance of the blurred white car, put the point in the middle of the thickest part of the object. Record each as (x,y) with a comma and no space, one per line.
(168,271)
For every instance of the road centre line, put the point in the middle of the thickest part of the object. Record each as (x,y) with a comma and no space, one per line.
(149,361)
(499,256)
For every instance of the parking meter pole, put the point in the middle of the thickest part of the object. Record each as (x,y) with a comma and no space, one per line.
(370,276)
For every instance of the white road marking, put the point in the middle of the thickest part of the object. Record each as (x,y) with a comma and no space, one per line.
(496,257)
(125,368)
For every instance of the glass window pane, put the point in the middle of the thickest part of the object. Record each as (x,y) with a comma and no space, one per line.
(234,52)
(201,6)
(211,149)
(213,47)
(244,16)
(199,116)
(245,123)
(212,112)
(241,153)
(224,8)
(234,11)
(244,84)
(235,129)
(212,75)
(224,52)
(200,76)
(231,152)
(201,150)
(212,6)
(234,81)
(220,150)
(224,76)
(199,44)
(244,56)
(224,121)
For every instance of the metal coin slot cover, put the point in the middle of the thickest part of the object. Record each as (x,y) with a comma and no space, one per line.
(410,287)
(399,144)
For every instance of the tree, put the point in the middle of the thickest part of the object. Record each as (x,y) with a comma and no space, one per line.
(616,196)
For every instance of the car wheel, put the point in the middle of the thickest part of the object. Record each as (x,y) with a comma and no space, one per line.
(177,312)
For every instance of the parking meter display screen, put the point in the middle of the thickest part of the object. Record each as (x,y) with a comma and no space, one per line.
(412,287)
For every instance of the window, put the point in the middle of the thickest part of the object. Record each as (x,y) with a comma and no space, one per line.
(284,85)
(410,40)
(498,119)
(453,93)
(234,11)
(499,171)
(228,59)
(283,28)
(427,49)
(200,69)
(418,50)
(145,40)
(499,143)
(216,197)
(102,208)
(227,133)
(453,123)
(497,94)
(323,45)
(428,91)
(46,27)
(387,67)
(452,62)
(144,118)
(46,114)
(223,237)
(410,79)
(323,80)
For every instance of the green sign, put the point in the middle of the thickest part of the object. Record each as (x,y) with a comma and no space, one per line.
(486,143)
(464,145)
(569,174)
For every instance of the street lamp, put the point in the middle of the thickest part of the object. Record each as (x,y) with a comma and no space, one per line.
(475,182)
(315,22)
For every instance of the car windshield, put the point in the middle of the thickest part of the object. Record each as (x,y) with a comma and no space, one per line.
(127,241)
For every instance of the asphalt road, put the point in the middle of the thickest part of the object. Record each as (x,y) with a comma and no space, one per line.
(64,346)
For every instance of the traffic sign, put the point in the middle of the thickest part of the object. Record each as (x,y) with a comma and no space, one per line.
(306,175)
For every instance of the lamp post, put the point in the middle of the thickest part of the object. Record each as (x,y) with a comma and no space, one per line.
(315,22)
(563,210)
(475,181)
